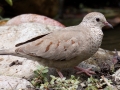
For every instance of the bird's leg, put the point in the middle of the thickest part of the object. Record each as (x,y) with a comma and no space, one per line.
(59,73)
(88,71)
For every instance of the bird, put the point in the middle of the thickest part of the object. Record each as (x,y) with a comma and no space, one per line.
(66,47)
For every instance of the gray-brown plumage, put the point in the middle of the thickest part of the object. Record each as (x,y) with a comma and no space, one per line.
(66,47)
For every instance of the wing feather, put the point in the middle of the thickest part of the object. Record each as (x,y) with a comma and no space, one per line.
(54,46)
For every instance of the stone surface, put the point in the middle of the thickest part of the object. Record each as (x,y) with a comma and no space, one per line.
(13,83)
(25,18)
(23,69)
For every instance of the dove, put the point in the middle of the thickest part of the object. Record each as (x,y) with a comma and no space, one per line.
(66,47)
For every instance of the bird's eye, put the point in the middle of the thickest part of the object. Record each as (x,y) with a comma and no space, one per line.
(97,19)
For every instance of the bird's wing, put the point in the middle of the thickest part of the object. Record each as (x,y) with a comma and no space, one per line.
(60,45)
(30,40)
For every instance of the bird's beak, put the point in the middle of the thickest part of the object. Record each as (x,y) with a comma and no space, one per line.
(108,24)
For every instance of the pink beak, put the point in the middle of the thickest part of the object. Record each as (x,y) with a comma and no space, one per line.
(108,24)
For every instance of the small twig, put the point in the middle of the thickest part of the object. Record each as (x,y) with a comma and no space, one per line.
(16,86)
(106,81)
(10,86)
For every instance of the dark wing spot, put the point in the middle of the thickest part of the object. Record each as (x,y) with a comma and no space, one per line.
(48,47)
(39,43)
(72,41)
(65,48)
(31,54)
(78,43)
(57,44)
(18,50)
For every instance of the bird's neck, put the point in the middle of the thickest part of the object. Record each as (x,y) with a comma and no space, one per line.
(91,28)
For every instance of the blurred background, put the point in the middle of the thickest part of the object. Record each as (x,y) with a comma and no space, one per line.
(69,12)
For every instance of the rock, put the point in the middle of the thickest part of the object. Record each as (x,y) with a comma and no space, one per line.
(3,22)
(116,75)
(100,58)
(14,83)
(17,66)
(25,18)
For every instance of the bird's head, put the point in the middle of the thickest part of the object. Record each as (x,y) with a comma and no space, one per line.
(96,19)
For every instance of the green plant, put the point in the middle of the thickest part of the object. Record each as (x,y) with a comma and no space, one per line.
(41,82)
(91,84)
(57,83)
(10,2)
(95,84)
(40,76)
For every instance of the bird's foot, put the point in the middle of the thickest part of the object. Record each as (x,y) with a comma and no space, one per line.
(87,71)
(59,73)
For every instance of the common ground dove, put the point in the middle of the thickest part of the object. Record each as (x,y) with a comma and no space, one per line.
(66,47)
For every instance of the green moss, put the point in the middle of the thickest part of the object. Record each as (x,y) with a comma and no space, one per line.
(41,82)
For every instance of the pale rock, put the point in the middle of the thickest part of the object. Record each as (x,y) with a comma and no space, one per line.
(26,18)
(24,69)
(14,83)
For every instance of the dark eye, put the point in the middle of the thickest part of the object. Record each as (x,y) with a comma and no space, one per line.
(97,19)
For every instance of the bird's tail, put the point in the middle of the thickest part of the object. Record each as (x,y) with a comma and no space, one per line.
(8,52)
(13,52)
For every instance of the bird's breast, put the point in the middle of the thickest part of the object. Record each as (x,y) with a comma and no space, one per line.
(94,40)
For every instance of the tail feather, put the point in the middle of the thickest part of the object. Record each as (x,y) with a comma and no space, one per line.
(13,52)
(7,52)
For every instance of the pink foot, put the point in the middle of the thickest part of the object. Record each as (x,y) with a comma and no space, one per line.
(59,73)
(88,71)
